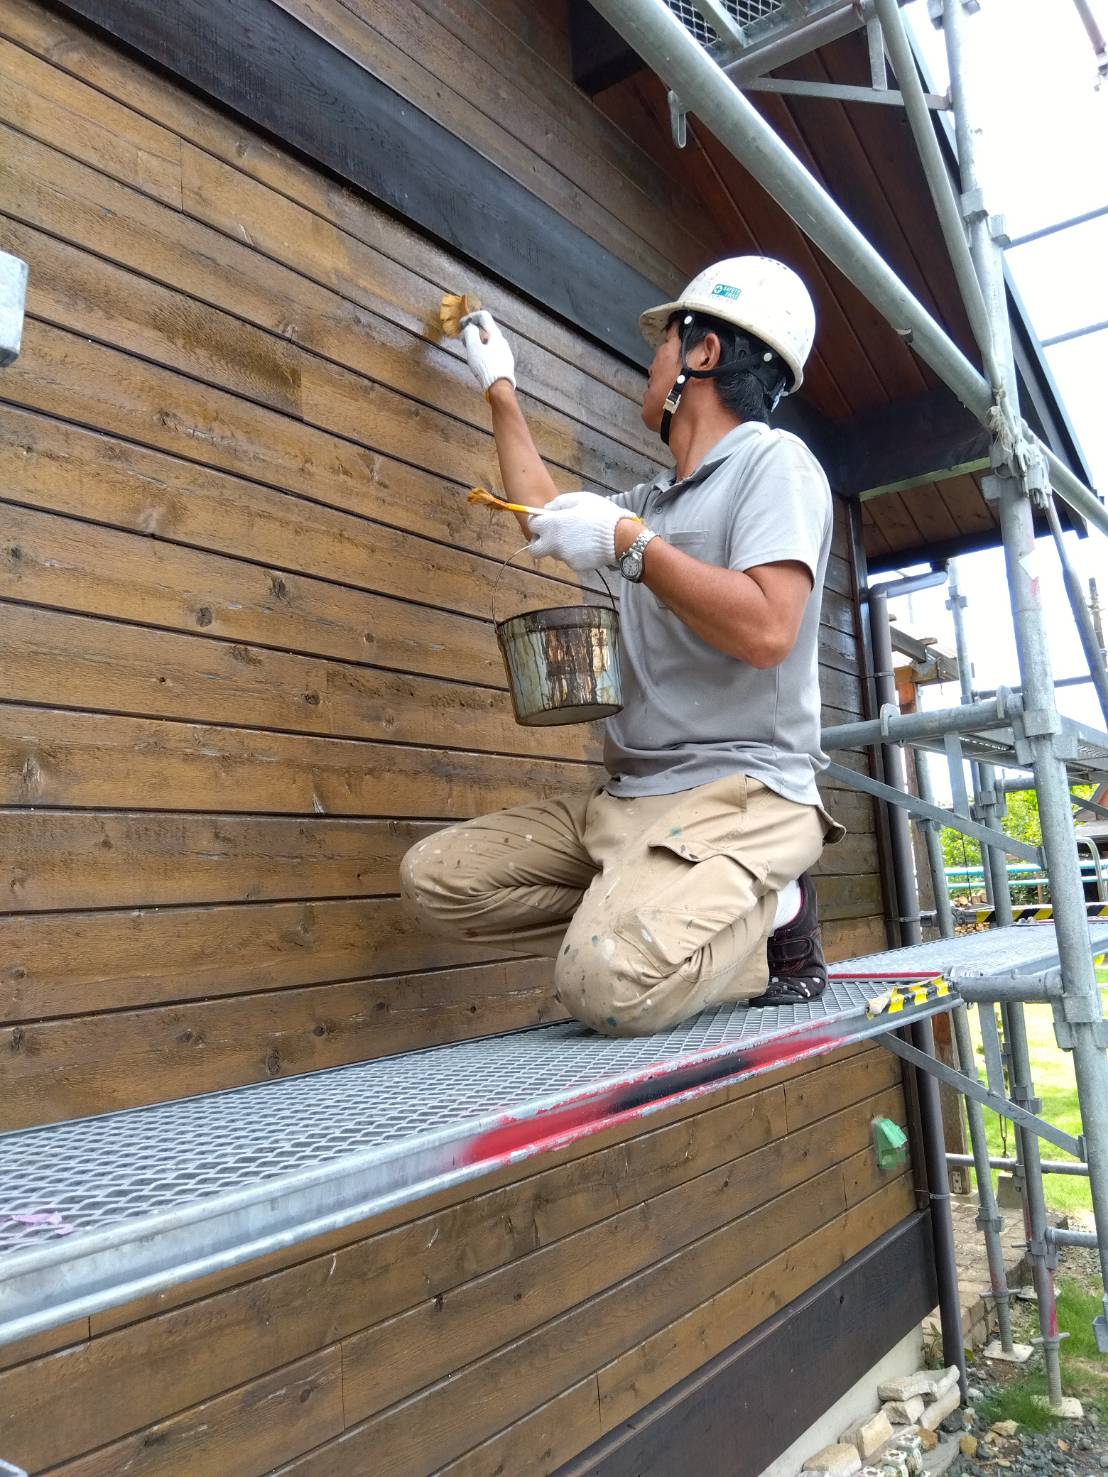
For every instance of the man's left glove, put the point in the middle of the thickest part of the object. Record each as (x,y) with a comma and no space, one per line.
(579,528)
(491,359)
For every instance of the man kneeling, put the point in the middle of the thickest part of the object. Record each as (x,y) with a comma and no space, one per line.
(682,882)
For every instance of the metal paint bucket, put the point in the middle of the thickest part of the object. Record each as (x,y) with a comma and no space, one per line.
(562,664)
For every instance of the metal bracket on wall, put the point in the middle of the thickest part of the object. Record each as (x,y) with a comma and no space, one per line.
(678,121)
(984,1095)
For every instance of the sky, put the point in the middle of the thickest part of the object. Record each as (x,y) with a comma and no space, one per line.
(1044,143)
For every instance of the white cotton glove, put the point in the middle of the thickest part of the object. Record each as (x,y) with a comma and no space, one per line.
(491,360)
(579,528)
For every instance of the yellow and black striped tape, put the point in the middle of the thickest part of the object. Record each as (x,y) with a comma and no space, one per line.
(1028,912)
(904,997)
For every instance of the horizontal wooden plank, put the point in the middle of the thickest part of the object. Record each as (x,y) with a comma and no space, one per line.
(69,963)
(91,570)
(57,860)
(318,102)
(376,253)
(848,897)
(440,1423)
(661,1361)
(248,1431)
(526,56)
(113,667)
(445,1334)
(372,382)
(524,135)
(296,278)
(566,1425)
(59,1069)
(76,1332)
(61,468)
(851,938)
(817,1094)
(541,1441)
(66,375)
(55,758)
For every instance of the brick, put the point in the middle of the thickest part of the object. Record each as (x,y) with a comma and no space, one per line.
(869,1434)
(837,1461)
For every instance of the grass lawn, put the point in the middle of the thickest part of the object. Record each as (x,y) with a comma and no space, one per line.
(1082,1367)
(1052,1074)
(1078,1289)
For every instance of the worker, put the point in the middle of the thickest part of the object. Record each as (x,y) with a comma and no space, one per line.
(682,881)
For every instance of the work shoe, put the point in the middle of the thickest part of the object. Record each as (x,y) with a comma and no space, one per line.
(797,971)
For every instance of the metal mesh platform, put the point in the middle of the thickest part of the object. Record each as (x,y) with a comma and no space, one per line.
(1016,949)
(98,1211)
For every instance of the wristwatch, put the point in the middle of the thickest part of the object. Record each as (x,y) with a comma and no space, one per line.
(631,562)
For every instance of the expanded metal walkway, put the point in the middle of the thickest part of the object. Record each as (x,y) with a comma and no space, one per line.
(98,1211)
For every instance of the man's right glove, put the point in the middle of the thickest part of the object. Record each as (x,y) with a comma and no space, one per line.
(489,361)
(579,528)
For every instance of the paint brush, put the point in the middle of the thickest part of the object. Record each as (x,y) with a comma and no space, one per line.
(454,307)
(482,495)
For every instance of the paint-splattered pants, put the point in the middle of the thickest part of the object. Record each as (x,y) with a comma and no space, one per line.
(654,908)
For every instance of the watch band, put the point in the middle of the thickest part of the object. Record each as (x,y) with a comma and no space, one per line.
(631,560)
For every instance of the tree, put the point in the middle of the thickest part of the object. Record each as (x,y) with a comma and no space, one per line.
(1021,822)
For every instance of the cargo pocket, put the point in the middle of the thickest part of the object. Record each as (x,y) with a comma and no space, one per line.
(694,879)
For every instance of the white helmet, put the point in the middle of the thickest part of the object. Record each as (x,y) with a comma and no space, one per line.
(755,293)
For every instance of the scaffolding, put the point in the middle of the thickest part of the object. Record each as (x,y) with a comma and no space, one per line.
(706,52)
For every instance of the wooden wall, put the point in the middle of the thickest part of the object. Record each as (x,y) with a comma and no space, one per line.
(247,655)
(500,1333)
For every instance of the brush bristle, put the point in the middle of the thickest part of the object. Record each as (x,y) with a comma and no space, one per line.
(454,307)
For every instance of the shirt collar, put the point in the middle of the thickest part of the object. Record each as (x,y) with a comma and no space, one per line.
(667,484)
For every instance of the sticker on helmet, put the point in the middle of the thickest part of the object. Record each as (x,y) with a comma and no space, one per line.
(723,289)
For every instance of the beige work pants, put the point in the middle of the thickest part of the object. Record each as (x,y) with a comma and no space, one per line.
(655,908)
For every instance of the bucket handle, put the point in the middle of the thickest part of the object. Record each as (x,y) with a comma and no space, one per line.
(511,559)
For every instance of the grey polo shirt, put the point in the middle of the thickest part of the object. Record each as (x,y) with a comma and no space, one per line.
(691,714)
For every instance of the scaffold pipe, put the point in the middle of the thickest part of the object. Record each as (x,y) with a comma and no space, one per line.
(656,34)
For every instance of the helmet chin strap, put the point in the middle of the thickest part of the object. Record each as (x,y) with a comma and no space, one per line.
(751,359)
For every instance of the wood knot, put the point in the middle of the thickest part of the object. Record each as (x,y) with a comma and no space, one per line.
(204,616)
(278,586)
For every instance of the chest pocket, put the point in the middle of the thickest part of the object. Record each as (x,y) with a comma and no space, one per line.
(692,541)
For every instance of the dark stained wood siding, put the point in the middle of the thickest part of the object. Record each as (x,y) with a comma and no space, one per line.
(247,649)
(247,660)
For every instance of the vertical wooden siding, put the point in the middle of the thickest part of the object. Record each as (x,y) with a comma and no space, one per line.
(247,655)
